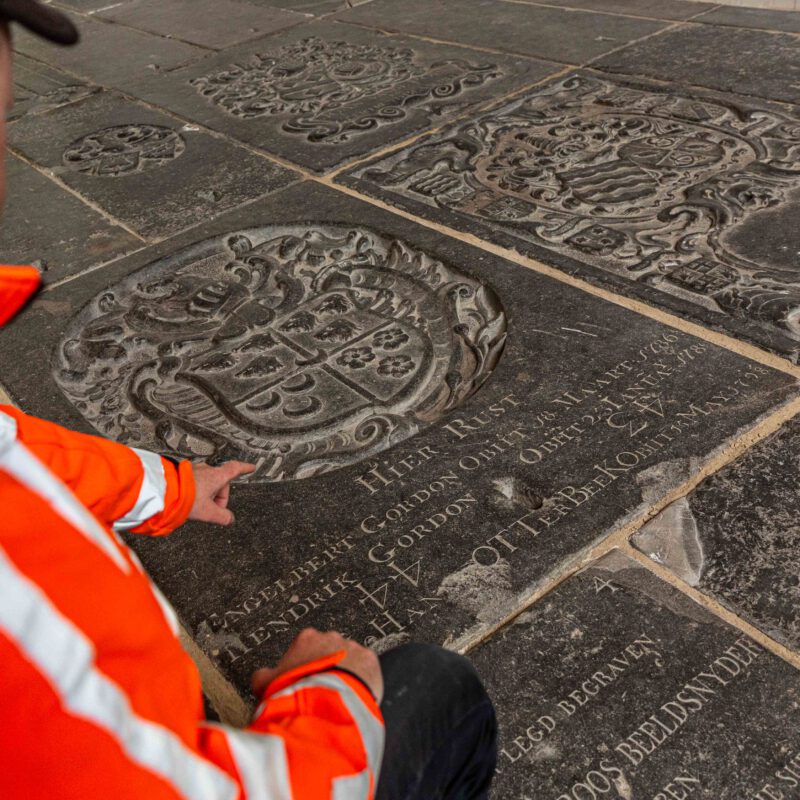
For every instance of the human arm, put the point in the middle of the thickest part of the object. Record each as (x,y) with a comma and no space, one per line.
(124,487)
(318,732)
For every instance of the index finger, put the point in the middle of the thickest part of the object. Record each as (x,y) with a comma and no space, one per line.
(235,469)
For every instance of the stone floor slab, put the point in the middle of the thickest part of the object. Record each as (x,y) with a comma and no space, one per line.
(684,199)
(787,21)
(736,536)
(729,59)
(97,58)
(414,478)
(565,35)
(313,7)
(142,166)
(46,225)
(38,88)
(325,93)
(209,23)
(660,9)
(89,6)
(618,686)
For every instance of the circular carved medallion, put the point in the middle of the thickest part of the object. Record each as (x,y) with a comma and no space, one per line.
(124,149)
(299,348)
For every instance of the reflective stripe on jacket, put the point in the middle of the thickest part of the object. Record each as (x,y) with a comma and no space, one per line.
(98,698)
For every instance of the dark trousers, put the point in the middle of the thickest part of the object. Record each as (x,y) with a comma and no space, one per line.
(441,734)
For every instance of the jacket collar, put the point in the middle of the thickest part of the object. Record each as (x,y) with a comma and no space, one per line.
(17,285)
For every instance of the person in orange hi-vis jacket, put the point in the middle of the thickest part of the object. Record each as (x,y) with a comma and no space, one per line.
(98,698)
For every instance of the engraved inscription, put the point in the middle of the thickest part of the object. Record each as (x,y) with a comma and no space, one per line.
(656,187)
(331,91)
(299,348)
(124,149)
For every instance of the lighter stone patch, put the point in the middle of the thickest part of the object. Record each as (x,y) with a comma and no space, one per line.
(482,590)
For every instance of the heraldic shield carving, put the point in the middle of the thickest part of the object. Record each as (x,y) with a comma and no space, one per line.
(299,348)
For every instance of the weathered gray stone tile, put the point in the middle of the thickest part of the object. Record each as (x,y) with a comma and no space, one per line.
(324,93)
(108,54)
(618,686)
(436,429)
(660,9)
(142,166)
(564,35)
(89,6)
(729,59)
(208,23)
(767,19)
(39,88)
(43,224)
(313,7)
(683,199)
(736,536)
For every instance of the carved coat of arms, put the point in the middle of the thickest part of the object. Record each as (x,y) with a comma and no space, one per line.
(647,184)
(300,348)
(333,91)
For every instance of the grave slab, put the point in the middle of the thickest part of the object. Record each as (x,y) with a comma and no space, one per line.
(763,18)
(748,62)
(311,7)
(736,536)
(46,225)
(325,93)
(38,88)
(618,686)
(91,58)
(564,35)
(671,9)
(685,199)
(90,6)
(209,23)
(144,167)
(436,429)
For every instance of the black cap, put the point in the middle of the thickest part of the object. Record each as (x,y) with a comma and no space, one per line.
(40,19)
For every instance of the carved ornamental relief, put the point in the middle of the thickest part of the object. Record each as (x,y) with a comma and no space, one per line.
(641,183)
(299,348)
(332,91)
(123,150)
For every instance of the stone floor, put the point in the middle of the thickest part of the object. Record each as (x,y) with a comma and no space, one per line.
(503,299)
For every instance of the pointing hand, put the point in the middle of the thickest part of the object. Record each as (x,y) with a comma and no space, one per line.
(212,489)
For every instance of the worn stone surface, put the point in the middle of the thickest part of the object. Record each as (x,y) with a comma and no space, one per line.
(39,88)
(720,57)
(46,225)
(618,686)
(90,6)
(324,93)
(209,23)
(660,9)
(753,18)
(142,166)
(313,7)
(588,413)
(736,536)
(97,56)
(564,35)
(662,193)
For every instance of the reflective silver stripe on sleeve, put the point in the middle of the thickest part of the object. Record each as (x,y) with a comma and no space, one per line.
(151,495)
(65,657)
(21,464)
(353,787)
(369,727)
(261,760)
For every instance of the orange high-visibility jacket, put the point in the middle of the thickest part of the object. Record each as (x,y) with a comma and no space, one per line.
(97,697)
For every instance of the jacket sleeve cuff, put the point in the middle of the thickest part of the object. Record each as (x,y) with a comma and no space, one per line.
(179,495)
